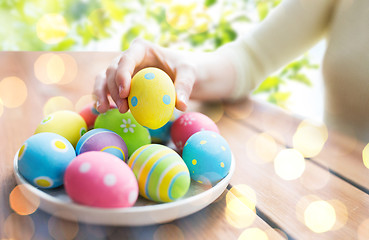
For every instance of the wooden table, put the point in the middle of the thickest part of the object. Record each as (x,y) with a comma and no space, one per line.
(328,199)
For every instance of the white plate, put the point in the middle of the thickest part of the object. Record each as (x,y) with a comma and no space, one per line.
(144,212)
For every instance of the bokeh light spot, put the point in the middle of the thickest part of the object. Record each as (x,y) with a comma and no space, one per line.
(63,229)
(245,194)
(22,204)
(240,210)
(71,68)
(236,112)
(365,156)
(56,104)
(214,111)
(320,216)
(341,213)
(51,68)
(315,178)
(262,148)
(52,28)
(302,204)
(84,101)
(13,92)
(310,138)
(289,164)
(168,231)
(39,68)
(19,227)
(253,234)
(363,230)
(276,233)
(1,108)
(55,68)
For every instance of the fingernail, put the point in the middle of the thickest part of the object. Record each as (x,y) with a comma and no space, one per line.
(119,103)
(120,90)
(183,98)
(97,104)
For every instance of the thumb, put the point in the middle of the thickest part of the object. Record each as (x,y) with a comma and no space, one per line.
(184,81)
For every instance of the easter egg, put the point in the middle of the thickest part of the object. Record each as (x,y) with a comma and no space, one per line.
(207,156)
(103,140)
(162,134)
(65,123)
(133,134)
(89,114)
(100,179)
(152,97)
(188,124)
(43,158)
(161,173)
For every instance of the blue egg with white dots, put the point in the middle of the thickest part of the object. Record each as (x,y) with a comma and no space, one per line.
(43,159)
(207,156)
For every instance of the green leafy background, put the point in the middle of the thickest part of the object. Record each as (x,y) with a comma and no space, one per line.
(110,25)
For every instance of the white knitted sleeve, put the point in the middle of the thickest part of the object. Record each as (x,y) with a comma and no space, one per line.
(289,30)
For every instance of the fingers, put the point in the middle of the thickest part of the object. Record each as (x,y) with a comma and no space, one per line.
(142,54)
(129,61)
(184,81)
(101,93)
(121,103)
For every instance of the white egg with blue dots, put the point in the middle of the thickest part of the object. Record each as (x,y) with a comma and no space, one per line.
(152,97)
(207,156)
(43,159)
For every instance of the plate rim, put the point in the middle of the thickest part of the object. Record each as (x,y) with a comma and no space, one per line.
(73,206)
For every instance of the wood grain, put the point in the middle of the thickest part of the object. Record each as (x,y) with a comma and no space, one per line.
(281,200)
(342,153)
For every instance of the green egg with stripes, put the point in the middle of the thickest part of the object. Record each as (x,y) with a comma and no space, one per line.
(161,173)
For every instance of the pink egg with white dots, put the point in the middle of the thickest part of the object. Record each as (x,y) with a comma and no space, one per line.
(100,179)
(188,124)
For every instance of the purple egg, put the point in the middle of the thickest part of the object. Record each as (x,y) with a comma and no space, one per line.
(103,140)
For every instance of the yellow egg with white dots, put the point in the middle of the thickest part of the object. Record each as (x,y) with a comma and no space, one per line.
(152,97)
(68,124)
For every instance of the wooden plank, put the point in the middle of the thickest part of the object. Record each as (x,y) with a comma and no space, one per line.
(285,202)
(341,153)
(16,125)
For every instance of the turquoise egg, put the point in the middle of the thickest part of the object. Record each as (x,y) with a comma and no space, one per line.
(162,135)
(207,156)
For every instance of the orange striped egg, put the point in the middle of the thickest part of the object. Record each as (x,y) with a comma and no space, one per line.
(161,173)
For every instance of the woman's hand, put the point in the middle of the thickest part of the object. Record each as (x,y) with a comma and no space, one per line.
(205,76)
(116,80)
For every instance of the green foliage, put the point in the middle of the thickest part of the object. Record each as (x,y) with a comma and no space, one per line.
(190,25)
(270,84)
(292,72)
(209,3)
